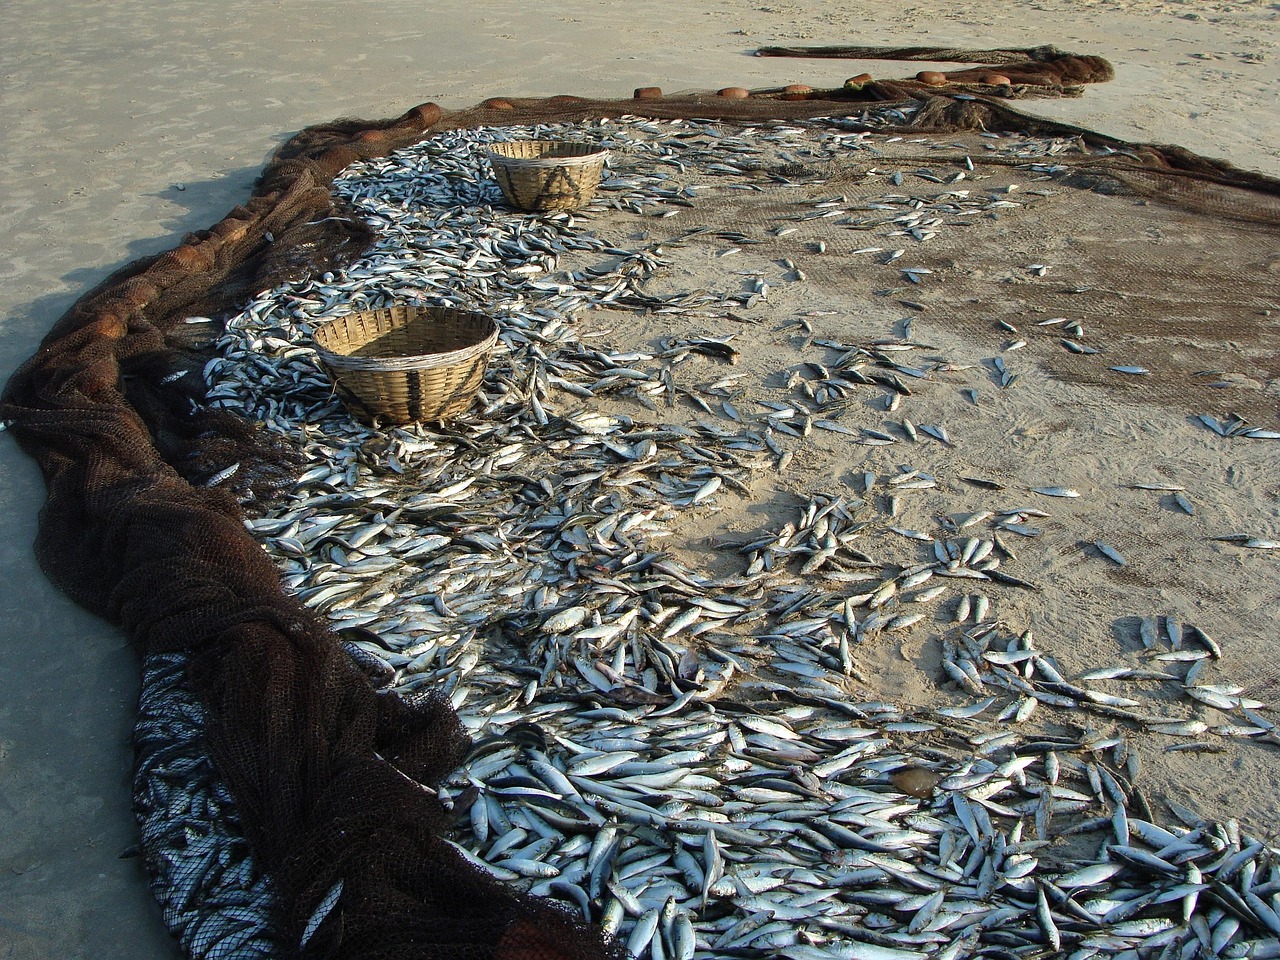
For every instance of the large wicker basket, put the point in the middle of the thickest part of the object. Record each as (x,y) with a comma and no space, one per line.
(539,175)
(407,363)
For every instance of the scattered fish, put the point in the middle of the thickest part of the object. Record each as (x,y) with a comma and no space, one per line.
(704,776)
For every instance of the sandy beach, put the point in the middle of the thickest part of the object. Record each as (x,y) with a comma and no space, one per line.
(128,125)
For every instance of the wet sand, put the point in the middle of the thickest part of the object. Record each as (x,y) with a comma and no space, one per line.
(110,106)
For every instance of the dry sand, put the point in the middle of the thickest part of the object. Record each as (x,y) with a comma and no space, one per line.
(110,105)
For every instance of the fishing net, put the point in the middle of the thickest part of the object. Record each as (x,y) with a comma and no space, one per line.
(337,786)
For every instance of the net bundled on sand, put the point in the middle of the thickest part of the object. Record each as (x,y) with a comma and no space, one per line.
(333,782)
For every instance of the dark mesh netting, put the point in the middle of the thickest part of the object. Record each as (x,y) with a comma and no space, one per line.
(335,783)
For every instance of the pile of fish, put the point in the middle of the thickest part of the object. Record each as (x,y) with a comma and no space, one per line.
(689,753)
(214,898)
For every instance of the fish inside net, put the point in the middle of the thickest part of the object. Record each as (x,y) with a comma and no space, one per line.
(335,785)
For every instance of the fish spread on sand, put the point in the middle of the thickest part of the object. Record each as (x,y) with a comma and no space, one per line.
(690,754)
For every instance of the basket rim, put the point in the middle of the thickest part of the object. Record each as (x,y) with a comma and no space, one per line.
(594,154)
(401,364)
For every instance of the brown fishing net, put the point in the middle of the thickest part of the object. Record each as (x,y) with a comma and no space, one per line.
(1035,71)
(332,780)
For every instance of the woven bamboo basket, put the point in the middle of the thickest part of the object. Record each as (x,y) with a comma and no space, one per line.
(539,175)
(407,363)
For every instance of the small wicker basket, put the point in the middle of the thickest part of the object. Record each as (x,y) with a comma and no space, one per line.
(407,363)
(539,175)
